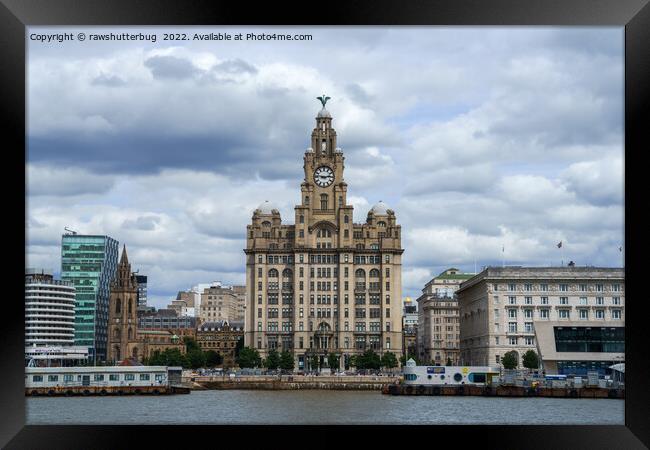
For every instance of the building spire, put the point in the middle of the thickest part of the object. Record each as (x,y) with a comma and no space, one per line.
(124,259)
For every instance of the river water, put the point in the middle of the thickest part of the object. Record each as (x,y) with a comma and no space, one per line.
(318,407)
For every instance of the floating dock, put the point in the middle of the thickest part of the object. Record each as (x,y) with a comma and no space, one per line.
(70,391)
(504,391)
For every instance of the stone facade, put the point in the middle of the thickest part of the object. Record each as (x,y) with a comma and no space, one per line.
(124,338)
(222,303)
(323,284)
(222,337)
(500,306)
(438,320)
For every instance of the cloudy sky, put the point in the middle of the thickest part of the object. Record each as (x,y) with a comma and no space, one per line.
(479,138)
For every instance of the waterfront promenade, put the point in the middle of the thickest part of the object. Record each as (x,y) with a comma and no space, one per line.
(291,382)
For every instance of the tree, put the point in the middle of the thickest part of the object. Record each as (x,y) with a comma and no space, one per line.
(314,362)
(212,358)
(448,361)
(350,361)
(286,360)
(273,360)
(190,344)
(249,357)
(195,358)
(530,360)
(333,361)
(509,360)
(389,360)
(369,360)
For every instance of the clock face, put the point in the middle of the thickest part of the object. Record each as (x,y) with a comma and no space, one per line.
(323,176)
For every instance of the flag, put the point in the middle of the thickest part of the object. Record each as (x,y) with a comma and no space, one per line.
(559,245)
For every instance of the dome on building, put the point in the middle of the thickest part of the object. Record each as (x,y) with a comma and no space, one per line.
(338,150)
(266,208)
(309,150)
(324,113)
(380,208)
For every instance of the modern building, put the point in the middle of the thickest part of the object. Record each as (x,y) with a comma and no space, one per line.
(410,327)
(221,336)
(505,309)
(323,284)
(220,302)
(142,291)
(186,303)
(49,310)
(438,318)
(89,262)
(579,348)
(125,340)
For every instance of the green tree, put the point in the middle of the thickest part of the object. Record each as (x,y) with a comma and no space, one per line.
(314,362)
(249,358)
(286,360)
(448,361)
(190,344)
(212,358)
(369,360)
(350,361)
(509,360)
(333,360)
(389,360)
(530,360)
(273,360)
(196,358)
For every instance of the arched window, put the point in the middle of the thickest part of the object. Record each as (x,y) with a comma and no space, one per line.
(116,333)
(302,219)
(323,201)
(306,199)
(346,219)
(374,273)
(381,224)
(273,273)
(374,246)
(130,306)
(118,306)
(266,223)
(340,201)
(287,273)
(130,333)
(360,246)
(360,273)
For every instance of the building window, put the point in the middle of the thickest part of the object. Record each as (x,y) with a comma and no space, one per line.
(544,300)
(543,287)
(512,340)
(528,327)
(512,313)
(563,313)
(616,314)
(600,300)
(543,313)
(511,287)
(583,288)
(599,288)
(583,300)
(616,300)
(584,314)
(496,299)
(616,287)
(496,339)
(528,287)
(600,314)
(528,313)
(529,340)
(323,201)
(512,300)
(302,219)
(564,300)
(512,327)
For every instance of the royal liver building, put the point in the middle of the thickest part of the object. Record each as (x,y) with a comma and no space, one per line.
(326,284)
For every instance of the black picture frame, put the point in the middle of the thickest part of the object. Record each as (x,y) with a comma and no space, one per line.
(634,15)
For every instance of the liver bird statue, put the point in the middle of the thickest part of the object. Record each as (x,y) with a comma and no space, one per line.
(323,99)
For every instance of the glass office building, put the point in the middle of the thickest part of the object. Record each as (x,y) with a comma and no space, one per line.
(142,291)
(90,263)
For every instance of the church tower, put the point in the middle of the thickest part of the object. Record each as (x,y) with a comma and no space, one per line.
(122,321)
(324,284)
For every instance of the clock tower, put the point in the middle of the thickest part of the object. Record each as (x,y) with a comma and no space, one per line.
(323,285)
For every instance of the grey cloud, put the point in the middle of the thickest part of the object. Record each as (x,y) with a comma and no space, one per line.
(45,180)
(108,80)
(234,66)
(170,67)
(145,223)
